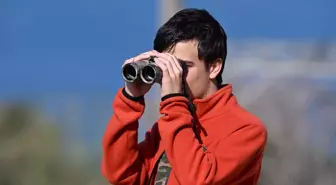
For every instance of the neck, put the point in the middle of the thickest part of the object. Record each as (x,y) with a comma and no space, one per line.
(213,88)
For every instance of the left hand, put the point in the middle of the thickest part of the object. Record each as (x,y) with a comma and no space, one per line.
(171,73)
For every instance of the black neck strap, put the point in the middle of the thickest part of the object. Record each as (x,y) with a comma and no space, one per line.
(191,106)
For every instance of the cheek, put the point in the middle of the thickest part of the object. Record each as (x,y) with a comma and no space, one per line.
(191,76)
(196,77)
(196,82)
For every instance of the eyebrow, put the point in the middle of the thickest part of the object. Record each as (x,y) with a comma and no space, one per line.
(185,61)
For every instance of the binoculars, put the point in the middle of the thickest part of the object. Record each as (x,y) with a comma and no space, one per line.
(145,70)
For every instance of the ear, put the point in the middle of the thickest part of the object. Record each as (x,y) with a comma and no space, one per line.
(215,68)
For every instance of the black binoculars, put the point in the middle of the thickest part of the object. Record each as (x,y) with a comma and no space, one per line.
(145,70)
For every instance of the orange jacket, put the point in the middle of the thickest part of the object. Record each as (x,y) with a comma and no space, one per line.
(234,138)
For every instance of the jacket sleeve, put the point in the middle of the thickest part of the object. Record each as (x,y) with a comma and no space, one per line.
(194,166)
(124,161)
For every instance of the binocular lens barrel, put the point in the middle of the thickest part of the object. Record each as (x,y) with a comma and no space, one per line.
(146,71)
(150,74)
(129,73)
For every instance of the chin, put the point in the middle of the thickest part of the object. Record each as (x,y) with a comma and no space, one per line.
(190,95)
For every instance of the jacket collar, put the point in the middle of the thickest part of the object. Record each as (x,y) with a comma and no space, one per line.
(216,103)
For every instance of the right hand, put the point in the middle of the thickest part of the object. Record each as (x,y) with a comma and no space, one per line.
(138,88)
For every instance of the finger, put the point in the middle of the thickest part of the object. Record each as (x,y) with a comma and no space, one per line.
(142,56)
(163,67)
(145,55)
(176,65)
(137,58)
(168,62)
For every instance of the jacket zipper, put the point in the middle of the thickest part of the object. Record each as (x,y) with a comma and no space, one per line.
(155,166)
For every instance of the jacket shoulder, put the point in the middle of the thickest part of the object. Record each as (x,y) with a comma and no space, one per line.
(244,118)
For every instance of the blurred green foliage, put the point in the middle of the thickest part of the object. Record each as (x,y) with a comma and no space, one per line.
(32,152)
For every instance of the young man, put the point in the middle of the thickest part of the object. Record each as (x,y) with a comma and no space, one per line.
(227,145)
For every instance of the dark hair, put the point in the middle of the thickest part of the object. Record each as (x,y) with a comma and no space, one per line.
(194,24)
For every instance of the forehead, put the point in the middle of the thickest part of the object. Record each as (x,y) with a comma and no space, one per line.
(186,51)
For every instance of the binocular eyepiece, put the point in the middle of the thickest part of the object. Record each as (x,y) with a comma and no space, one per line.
(146,70)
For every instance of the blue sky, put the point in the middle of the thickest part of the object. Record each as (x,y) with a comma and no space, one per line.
(79,45)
